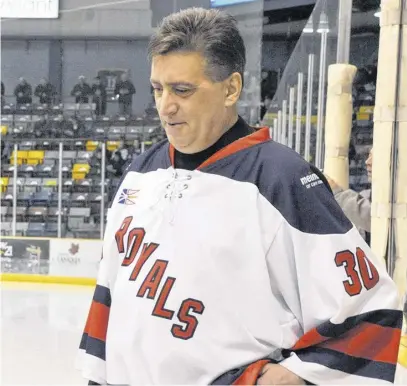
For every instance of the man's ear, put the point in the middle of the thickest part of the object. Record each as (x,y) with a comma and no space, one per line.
(233,89)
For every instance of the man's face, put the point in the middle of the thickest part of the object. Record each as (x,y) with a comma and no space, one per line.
(192,107)
(43,81)
(369,163)
(124,77)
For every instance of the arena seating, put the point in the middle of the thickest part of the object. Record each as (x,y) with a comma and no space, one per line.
(38,163)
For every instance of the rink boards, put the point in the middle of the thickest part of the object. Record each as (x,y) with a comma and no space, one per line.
(48,260)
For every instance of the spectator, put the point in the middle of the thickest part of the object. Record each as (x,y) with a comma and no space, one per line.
(23,92)
(356,206)
(81,91)
(116,164)
(99,96)
(72,127)
(124,91)
(42,128)
(3,91)
(266,91)
(45,91)
(96,160)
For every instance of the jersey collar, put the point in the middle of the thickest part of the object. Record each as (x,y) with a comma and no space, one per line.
(259,136)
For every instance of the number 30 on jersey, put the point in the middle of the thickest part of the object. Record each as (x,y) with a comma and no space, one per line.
(367,275)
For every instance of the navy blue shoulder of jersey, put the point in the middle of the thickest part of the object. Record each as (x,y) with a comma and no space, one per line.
(297,189)
(157,157)
(154,158)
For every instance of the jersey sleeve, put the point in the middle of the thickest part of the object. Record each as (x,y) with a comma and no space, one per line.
(91,359)
(345,323)
(92,349)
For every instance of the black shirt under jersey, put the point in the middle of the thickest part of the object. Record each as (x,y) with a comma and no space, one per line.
(192,161)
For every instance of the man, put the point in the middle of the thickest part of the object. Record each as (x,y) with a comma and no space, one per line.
(226,260)
(42,128)
(45,92)
(81,91)
(3,91)
(124,91)
(99,97)
(357,206)
(23,92)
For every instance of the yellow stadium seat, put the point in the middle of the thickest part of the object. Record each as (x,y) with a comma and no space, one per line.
(112,145)
(51,183)
(35,157)
(21,157)
(92,145)
(3,129)
(3,183)
(78,175)
(366,109)
(82,168)
(362,117)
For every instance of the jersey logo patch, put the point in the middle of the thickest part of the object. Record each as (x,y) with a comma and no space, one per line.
(128,196)
(310,181)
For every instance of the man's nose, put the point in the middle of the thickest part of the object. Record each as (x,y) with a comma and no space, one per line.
(167,105)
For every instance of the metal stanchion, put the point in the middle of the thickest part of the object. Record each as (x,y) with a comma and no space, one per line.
(321,102)
(284,123)
(291,117)
(279,126)
(60,186)
(102,191)
(298,125)
(344,31)
(15,174)
(310,82)
(275,129)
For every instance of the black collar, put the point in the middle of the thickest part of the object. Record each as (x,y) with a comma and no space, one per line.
(192,161)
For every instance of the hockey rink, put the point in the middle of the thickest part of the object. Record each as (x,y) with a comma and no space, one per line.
(41,326)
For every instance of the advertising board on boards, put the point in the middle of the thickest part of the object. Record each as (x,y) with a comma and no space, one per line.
(75,257)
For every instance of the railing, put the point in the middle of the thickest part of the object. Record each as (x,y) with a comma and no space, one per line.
(66,178)
(297,112)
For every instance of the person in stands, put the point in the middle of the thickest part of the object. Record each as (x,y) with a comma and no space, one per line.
(99,96)
(82,91)
(23,92)
(45,91)
(124,91)
(3,92)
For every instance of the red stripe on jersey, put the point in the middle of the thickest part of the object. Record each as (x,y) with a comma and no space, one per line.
(252,373)
(367,340)
(311,338)
(98,318)
(257,137)
(261,135)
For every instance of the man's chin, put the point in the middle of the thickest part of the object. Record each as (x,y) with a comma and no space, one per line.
(179,144)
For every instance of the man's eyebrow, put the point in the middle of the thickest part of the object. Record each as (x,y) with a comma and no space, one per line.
(175,84)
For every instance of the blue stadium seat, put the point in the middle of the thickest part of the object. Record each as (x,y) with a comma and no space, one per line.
(42,198)
(35,229)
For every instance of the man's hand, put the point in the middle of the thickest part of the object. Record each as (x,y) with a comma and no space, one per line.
(273,374)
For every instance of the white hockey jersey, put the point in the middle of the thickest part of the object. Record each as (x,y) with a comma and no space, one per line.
(248,257)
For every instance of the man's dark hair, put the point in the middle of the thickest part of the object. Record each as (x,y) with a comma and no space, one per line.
(212,33)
